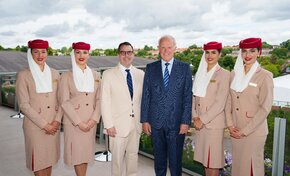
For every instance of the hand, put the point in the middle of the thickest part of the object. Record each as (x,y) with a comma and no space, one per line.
(83,126)
(56,124)
(111,132)
(146,128)
(91,123)
(198,124)
(183,128)
(235,132)
(49,129)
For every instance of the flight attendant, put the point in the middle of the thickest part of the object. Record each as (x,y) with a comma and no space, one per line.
(210,91)
(36,91)
(249,103)
(80,98)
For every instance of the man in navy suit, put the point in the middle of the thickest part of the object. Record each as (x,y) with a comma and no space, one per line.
(166,107)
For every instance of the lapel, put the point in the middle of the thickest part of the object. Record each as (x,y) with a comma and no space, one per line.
(158,74)
(136,80)
(121,82)
(215,74)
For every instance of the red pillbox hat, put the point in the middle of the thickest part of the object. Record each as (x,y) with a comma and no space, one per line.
(212,45)
(38,44)
(251,43)
(81,46)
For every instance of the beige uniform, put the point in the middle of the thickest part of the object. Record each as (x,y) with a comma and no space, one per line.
(79,146)
(119,111)
(248,111)
(210,109)
(39,109)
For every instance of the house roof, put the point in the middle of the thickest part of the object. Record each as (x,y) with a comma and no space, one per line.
(14,61)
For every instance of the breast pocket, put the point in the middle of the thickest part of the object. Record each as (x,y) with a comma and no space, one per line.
(250,114)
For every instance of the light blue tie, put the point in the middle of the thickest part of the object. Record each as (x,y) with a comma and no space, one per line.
(129,82)
(166,75)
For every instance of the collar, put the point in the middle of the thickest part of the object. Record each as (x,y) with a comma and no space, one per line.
(170,62)
(124,68)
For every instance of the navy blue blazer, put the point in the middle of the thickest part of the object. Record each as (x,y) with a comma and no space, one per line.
(170,106)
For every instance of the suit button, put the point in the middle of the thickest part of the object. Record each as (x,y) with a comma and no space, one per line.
(48,107)
(238,97)
(237,109)
(87,104)
(198,104)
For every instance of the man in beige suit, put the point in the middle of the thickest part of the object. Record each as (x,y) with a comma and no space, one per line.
(120,106)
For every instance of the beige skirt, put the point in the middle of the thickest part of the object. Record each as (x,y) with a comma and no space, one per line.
(79,146)
(209,149)
(248,155)
(42,150)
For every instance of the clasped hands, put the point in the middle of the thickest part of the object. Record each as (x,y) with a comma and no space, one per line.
(51,128)
(236,132)
(86,126)
(198,125)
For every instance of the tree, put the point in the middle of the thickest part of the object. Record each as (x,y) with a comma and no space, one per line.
(226,51)
(17,48)
(1,48)
(50,51)
(280,52)
(23,48)
(275,69)
(286,44)
(148,48)
(194,46)
(111,52)
(266,45)
(142,53)
(95,52)
(64,51)
(227,62)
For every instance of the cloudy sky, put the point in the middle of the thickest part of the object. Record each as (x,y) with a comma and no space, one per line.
(106,23)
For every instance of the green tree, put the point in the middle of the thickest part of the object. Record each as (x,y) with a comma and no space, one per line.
(23,48)
(227,62)
(1,48)
(198,52)
(280,52)
(275,69)
(148,48)
(64,51)
(226,51)
(286,44)
(111,52)
(142,53)
(266,45)
(17,48)
(194,46)
(50,51)
(95,52)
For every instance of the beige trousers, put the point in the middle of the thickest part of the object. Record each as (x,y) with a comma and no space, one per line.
(125,153)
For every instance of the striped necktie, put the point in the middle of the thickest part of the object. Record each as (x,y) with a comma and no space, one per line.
(166,75)
(129,82)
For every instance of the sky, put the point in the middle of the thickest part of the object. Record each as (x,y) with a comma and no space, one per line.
(106,23)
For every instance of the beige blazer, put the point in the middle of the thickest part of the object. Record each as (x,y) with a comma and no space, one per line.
(249,109)
(79,146)
(39,109)
(79,106)
(117,105)
(210,109)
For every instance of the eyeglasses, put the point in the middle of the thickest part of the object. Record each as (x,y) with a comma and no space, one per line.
(123,53)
